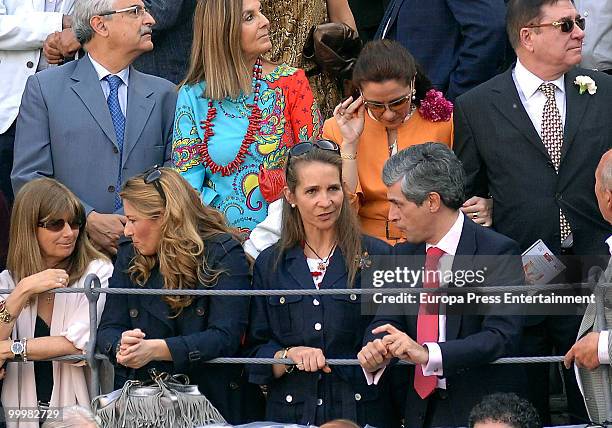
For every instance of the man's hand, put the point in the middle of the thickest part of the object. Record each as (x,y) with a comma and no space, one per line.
(584,352)
(105,230)
(479,209)
(374,356)
(400,345)
(68,43)
(51,49)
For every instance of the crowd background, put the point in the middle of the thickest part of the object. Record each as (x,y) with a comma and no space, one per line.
(96,92)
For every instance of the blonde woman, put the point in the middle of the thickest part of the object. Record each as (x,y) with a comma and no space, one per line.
(48,249)
(177,243)
(237,114)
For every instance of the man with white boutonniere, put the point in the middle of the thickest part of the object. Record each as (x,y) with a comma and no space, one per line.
(530,140)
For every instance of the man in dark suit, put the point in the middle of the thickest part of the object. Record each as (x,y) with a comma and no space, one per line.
(530,139)
(459,43)
(93,123)
(451,350)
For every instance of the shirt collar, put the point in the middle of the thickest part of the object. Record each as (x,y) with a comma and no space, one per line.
(609,242)
(529,82)
(450,241)
(102,72)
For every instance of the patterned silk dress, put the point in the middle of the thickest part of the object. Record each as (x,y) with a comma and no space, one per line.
(289,115)
(290,23)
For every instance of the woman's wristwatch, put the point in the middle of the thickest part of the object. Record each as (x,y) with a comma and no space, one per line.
(19,348)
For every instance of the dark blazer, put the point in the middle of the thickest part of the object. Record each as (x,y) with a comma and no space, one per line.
(472,341)
(211,327)
(172,38)
(65,131)
(277,322)
(504,157)
(459,43)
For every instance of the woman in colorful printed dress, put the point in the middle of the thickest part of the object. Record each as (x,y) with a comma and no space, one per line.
(237,115)
(397,108)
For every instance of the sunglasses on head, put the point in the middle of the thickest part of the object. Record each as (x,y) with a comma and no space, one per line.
(306,146)
(379,108)
(59,224)
(152,176)
(566,25)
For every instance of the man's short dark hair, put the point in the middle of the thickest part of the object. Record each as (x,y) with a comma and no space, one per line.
(505,408)
(522,13)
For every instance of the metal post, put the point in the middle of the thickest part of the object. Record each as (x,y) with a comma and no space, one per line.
(92,282)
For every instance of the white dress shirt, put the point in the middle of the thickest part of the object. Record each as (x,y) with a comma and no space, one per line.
(124,75)
(597,48)
(533,100)
(434,366)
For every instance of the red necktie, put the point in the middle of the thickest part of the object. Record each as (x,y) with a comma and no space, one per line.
(427,322)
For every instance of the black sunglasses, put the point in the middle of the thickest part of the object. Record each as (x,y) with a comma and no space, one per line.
(59,224)
(566,25)
(152,176)
(306,146)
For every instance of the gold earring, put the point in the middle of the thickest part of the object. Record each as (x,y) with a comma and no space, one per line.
(413,94)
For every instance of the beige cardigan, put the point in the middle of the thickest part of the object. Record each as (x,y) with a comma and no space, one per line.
(70,319)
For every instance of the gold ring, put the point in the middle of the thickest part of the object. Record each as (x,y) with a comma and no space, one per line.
(475,215)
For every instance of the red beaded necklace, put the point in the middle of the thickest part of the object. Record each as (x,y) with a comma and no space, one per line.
(249,138)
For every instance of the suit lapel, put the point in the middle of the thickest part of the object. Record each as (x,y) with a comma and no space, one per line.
(335,271)
(506,100)
(462,261)
(154,304)
(88,89)
(139,109)
(575,107)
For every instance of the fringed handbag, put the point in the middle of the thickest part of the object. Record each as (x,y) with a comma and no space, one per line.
(165,401)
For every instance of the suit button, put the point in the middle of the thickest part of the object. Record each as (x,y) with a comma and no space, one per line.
(29,64)
(111,189)
(233,385)
(315,302)
(282,300)
(353,297)
(133,313)
(289,398)
(200,311)
(115,149)
(358,396)
(317,326)
(319,402)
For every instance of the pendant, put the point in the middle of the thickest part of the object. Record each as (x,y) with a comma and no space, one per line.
(322,265)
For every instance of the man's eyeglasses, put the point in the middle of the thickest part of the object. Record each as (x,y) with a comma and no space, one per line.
(152,176)
(566,25)
(59,224)
(134,11)
(306,146)
(378,109)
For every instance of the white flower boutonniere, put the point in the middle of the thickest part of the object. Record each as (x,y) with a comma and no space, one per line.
(585,83)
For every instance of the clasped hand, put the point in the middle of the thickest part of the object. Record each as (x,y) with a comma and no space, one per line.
(134,351)
(395,344)
(308,359)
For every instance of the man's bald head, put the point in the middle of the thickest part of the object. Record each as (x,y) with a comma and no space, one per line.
(603,185)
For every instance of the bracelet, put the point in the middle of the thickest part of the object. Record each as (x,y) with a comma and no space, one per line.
(25,349)
(347,156)
(5,315)
(289,367)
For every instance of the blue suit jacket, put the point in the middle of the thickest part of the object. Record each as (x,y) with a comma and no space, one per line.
(65,131)
(472,341)
(333,324)
(459,43)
